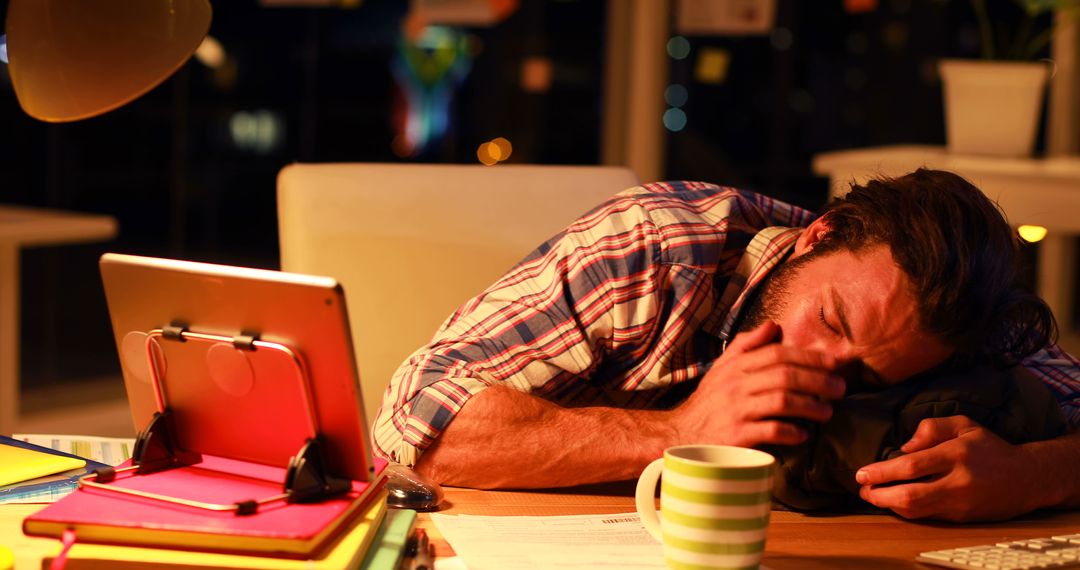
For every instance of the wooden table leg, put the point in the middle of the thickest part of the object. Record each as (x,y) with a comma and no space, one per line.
(9,337)
(1057,269)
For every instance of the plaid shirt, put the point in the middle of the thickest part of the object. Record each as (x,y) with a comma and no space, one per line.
(623,308)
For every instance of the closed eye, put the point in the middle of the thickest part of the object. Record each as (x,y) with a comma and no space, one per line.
(821,317)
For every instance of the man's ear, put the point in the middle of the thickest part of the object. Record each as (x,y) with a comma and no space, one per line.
(816,232)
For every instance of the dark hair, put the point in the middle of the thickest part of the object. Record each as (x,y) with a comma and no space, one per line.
(959,254)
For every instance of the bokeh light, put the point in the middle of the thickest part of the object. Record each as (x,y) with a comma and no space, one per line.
(494,151)
(676,95)
(712,65)
(502,149)
(678,47)
(781,39)
(483,154)
(210,53)
(674,119)
(259,131)
(1031,234)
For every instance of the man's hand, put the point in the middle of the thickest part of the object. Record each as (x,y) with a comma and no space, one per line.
(755,382)
(954,470)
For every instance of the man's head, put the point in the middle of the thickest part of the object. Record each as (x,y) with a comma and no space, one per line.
(903,273)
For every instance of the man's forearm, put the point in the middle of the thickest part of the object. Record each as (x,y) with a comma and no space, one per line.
(1054,465)
(505,438)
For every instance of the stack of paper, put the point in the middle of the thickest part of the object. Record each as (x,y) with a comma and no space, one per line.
(107,450)
(575,541)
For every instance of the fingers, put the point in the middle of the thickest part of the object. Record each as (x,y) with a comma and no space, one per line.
(915,465)
(910,500)
(753,339)
(788,378)
(935,431)
(778,367)
(910,485)
(771,432)
(784,404)
(774,354)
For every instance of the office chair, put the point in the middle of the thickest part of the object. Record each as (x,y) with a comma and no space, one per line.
(411,242)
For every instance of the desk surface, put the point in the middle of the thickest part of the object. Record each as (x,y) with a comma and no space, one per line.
(39,226)
(905,158)
(795,541)
(1044,191)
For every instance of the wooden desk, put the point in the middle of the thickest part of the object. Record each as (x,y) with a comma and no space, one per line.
(795,541)
(26,227)
(1038,191)
(28,550)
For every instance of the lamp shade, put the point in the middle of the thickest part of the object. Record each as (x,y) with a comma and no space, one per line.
(74,59)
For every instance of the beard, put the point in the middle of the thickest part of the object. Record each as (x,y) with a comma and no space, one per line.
(770,299)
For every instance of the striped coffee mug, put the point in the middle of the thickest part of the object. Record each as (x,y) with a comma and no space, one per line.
(714,505)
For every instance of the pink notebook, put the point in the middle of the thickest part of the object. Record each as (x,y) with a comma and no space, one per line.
(279,529)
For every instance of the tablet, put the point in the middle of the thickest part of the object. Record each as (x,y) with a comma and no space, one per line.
(250,362)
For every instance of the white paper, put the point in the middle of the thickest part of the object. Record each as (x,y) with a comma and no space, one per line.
(450,563)
(565,542)
(108,450)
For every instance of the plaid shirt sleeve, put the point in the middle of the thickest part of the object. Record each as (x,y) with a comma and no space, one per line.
(630,281)
(539,327)
(1060,372)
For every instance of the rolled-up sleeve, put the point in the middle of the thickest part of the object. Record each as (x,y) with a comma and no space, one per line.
(542,327)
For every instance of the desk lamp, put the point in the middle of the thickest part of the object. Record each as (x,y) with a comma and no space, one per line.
(75,59)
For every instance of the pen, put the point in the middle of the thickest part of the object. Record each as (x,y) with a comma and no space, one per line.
(424,559)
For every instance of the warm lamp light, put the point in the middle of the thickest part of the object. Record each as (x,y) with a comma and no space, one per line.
(75,59)
(494,151)
(1031,234)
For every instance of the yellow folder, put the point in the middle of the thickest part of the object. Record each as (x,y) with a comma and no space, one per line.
(18,464)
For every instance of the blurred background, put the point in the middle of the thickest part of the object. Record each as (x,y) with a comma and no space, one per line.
(188,170)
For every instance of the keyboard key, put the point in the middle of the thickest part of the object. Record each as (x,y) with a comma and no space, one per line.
(1062,551)
(1037,544)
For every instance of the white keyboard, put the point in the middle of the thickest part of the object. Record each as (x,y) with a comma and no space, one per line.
(1054,552)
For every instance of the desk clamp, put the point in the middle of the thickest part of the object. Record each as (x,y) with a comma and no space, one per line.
(157,447)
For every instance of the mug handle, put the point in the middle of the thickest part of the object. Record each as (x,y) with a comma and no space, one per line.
(645,496)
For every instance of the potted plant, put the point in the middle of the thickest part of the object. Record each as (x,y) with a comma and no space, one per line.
(992,106)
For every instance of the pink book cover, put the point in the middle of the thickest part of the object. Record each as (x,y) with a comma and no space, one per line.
(278,528)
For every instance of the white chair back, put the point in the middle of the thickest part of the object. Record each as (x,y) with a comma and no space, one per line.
(410,243)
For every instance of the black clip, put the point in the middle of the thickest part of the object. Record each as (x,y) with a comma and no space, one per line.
(157,449)
(175,331)
(104,474)
(245,340)
(249,507)
(307,479)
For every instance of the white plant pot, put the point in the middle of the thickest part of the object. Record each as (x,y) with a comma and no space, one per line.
(992,107)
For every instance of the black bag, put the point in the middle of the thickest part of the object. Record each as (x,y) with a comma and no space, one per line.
(867,427)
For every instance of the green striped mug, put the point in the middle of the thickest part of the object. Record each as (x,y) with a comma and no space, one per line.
(714,505)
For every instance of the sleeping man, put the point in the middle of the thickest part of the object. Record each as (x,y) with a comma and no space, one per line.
(681,313)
